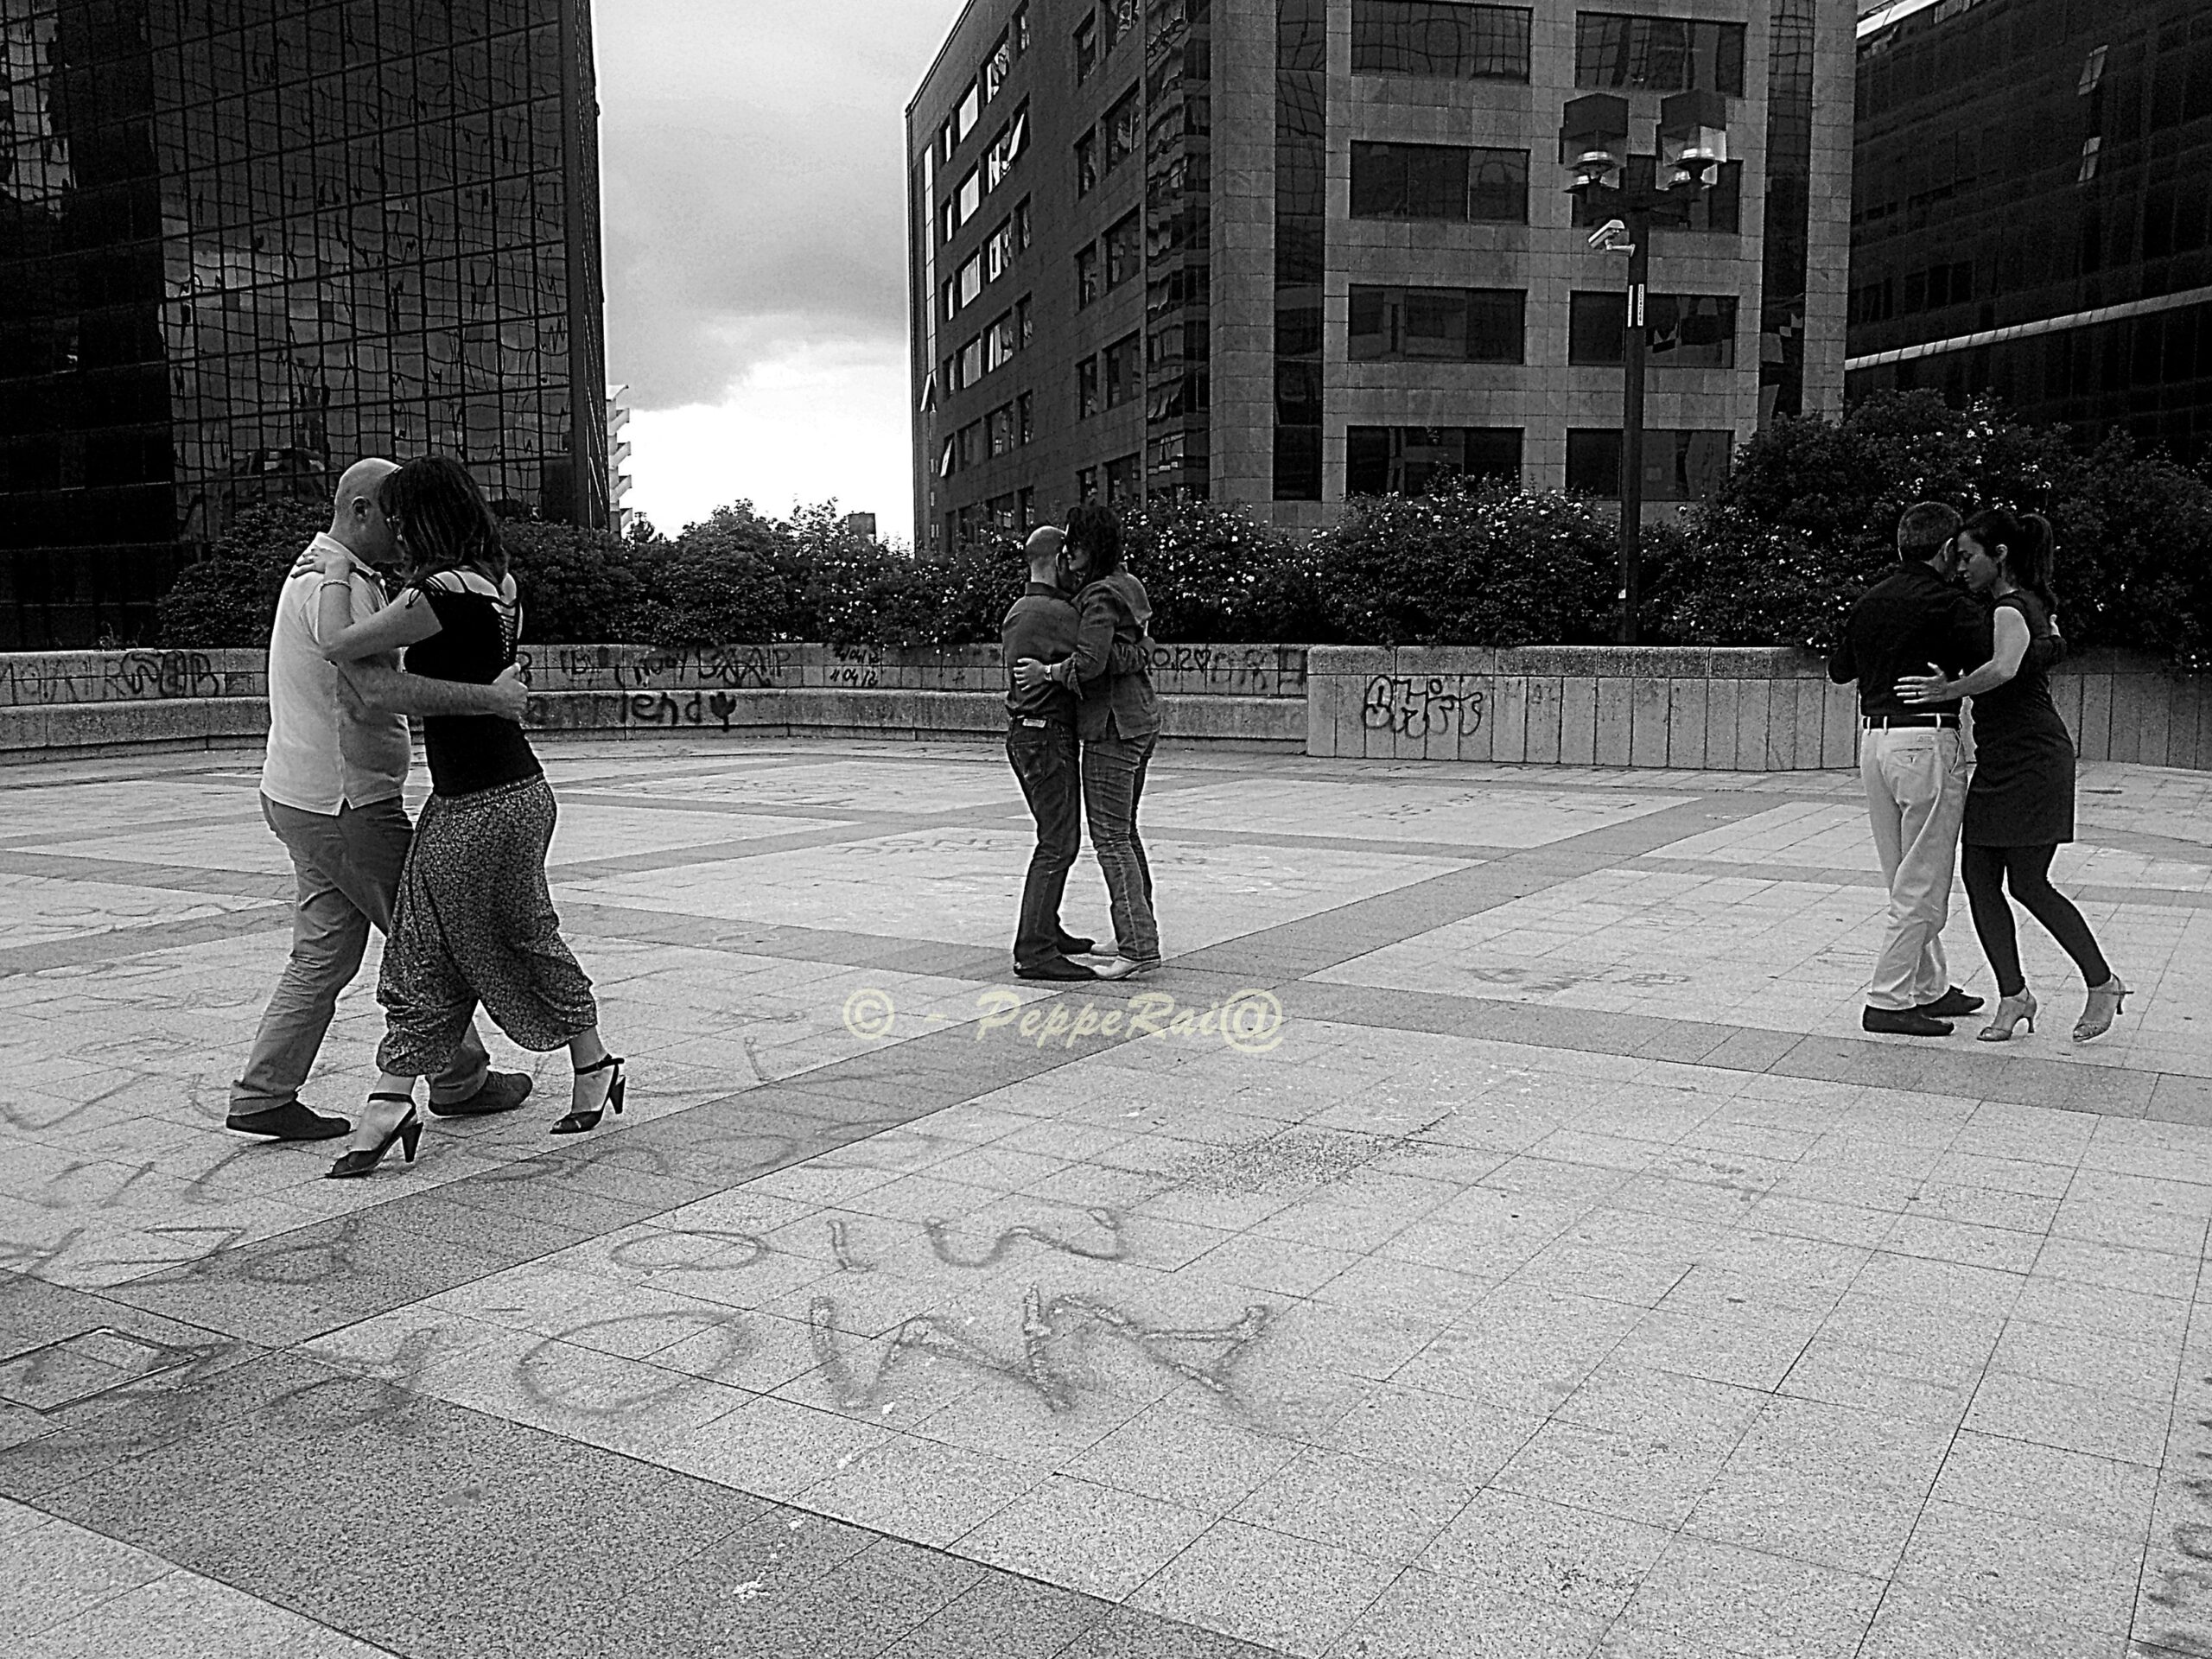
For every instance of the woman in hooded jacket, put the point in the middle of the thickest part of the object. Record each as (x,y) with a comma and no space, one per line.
(1118,722)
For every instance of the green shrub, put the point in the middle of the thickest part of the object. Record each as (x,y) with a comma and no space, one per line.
(579,586)
(1215,574)
(227,599)
(734,578)
(1472,566)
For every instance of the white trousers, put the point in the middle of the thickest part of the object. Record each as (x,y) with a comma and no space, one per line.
(1916,779)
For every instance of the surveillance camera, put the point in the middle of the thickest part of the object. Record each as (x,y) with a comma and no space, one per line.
(1611,237)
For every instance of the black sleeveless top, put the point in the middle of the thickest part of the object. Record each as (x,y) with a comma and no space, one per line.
(475,643)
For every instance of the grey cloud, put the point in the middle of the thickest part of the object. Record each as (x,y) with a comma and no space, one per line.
(753,187)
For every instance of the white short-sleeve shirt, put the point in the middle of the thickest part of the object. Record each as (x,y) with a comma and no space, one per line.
(321,755)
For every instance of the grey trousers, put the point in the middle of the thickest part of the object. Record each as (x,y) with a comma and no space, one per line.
(347,871)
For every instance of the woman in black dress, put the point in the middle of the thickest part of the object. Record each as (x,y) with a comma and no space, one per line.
(474,920)
(2020,805)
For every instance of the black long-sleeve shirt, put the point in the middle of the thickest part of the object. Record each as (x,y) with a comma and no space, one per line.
(1908,619)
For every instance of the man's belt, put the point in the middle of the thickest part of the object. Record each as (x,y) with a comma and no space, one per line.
(1034,722)
(1892,722)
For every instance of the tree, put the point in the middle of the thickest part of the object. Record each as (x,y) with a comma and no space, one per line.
(228,599)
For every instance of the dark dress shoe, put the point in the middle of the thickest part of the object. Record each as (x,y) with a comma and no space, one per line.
(290,1121)
(1903,1022)
(502,1092)
(1072,946)
(1055,968)
(1954,1004)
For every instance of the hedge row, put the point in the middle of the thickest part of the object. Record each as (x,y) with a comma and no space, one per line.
(1802,524)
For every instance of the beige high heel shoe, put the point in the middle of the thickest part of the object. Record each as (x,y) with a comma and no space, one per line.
(2010,1010)
(2107,1003)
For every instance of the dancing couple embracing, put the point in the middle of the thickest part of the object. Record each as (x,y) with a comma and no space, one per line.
(1919,647)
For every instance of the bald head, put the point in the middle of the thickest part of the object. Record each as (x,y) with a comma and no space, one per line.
(355,518)
(1043,548)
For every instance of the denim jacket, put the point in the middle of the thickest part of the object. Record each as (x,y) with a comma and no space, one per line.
(1114,610)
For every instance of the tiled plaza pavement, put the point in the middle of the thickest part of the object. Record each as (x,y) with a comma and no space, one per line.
(1564,1275)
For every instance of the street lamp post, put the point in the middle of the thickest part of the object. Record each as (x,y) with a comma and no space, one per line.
(1594,142)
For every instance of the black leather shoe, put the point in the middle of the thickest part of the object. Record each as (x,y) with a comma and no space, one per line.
(1903,1022)
(1954,1004)
(502,1092)
(290,1121)
(1056,968)
(1072,946)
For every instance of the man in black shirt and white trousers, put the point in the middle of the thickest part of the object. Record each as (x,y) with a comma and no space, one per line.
(1913,764)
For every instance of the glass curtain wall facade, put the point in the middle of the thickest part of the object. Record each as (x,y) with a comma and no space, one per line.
(1789,209)
(1301,241)
(2032,215)
(255,243)
(1178,119)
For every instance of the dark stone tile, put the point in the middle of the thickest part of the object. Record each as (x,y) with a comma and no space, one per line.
(531,1191)
(1006,1617)
(1127,1634)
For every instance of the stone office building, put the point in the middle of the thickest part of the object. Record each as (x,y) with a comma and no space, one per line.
(243,244)
(2033,212)
(1280,252)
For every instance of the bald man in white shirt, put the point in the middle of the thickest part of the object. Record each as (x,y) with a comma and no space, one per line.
(337,761)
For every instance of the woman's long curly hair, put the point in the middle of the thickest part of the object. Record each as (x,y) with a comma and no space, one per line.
(447,525)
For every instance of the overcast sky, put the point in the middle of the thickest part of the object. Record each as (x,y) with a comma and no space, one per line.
(754,210)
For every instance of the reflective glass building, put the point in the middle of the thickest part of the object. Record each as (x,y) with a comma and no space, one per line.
(2032,211)
(245,242)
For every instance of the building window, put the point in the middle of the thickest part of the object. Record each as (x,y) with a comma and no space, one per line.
(1440,181)
(967,198)
(1121,17)
(998,66)
(1006,149)
(962,120)
(1657,54)
(946,460)
(1124,369)
(999,343)
(1023,324)
(968,365)
(1025,418)
(998,252)
(1025,506)
(1086,275)
(1019,28)
(1021,226)
(1417,460)
(1124,250)
(1086,48)
(1456,43)
(1121,480)
(1000,425)
(1683,331)
(1086,163)
(1121,125)
(1086,389)
(1086,484)
(971,444)
(1677,466)
(1445,325)
(967,283)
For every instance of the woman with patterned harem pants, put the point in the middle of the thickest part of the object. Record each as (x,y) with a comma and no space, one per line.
(473,921)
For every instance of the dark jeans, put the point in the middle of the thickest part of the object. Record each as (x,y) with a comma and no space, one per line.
(1113,783)
(1043,759)
(1986,871)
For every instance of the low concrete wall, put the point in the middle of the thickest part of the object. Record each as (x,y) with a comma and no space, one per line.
(77,703)
(1730,710)
(1749,710)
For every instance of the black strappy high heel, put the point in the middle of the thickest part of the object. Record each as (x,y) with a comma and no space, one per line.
(408,1132)
(577,1122)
